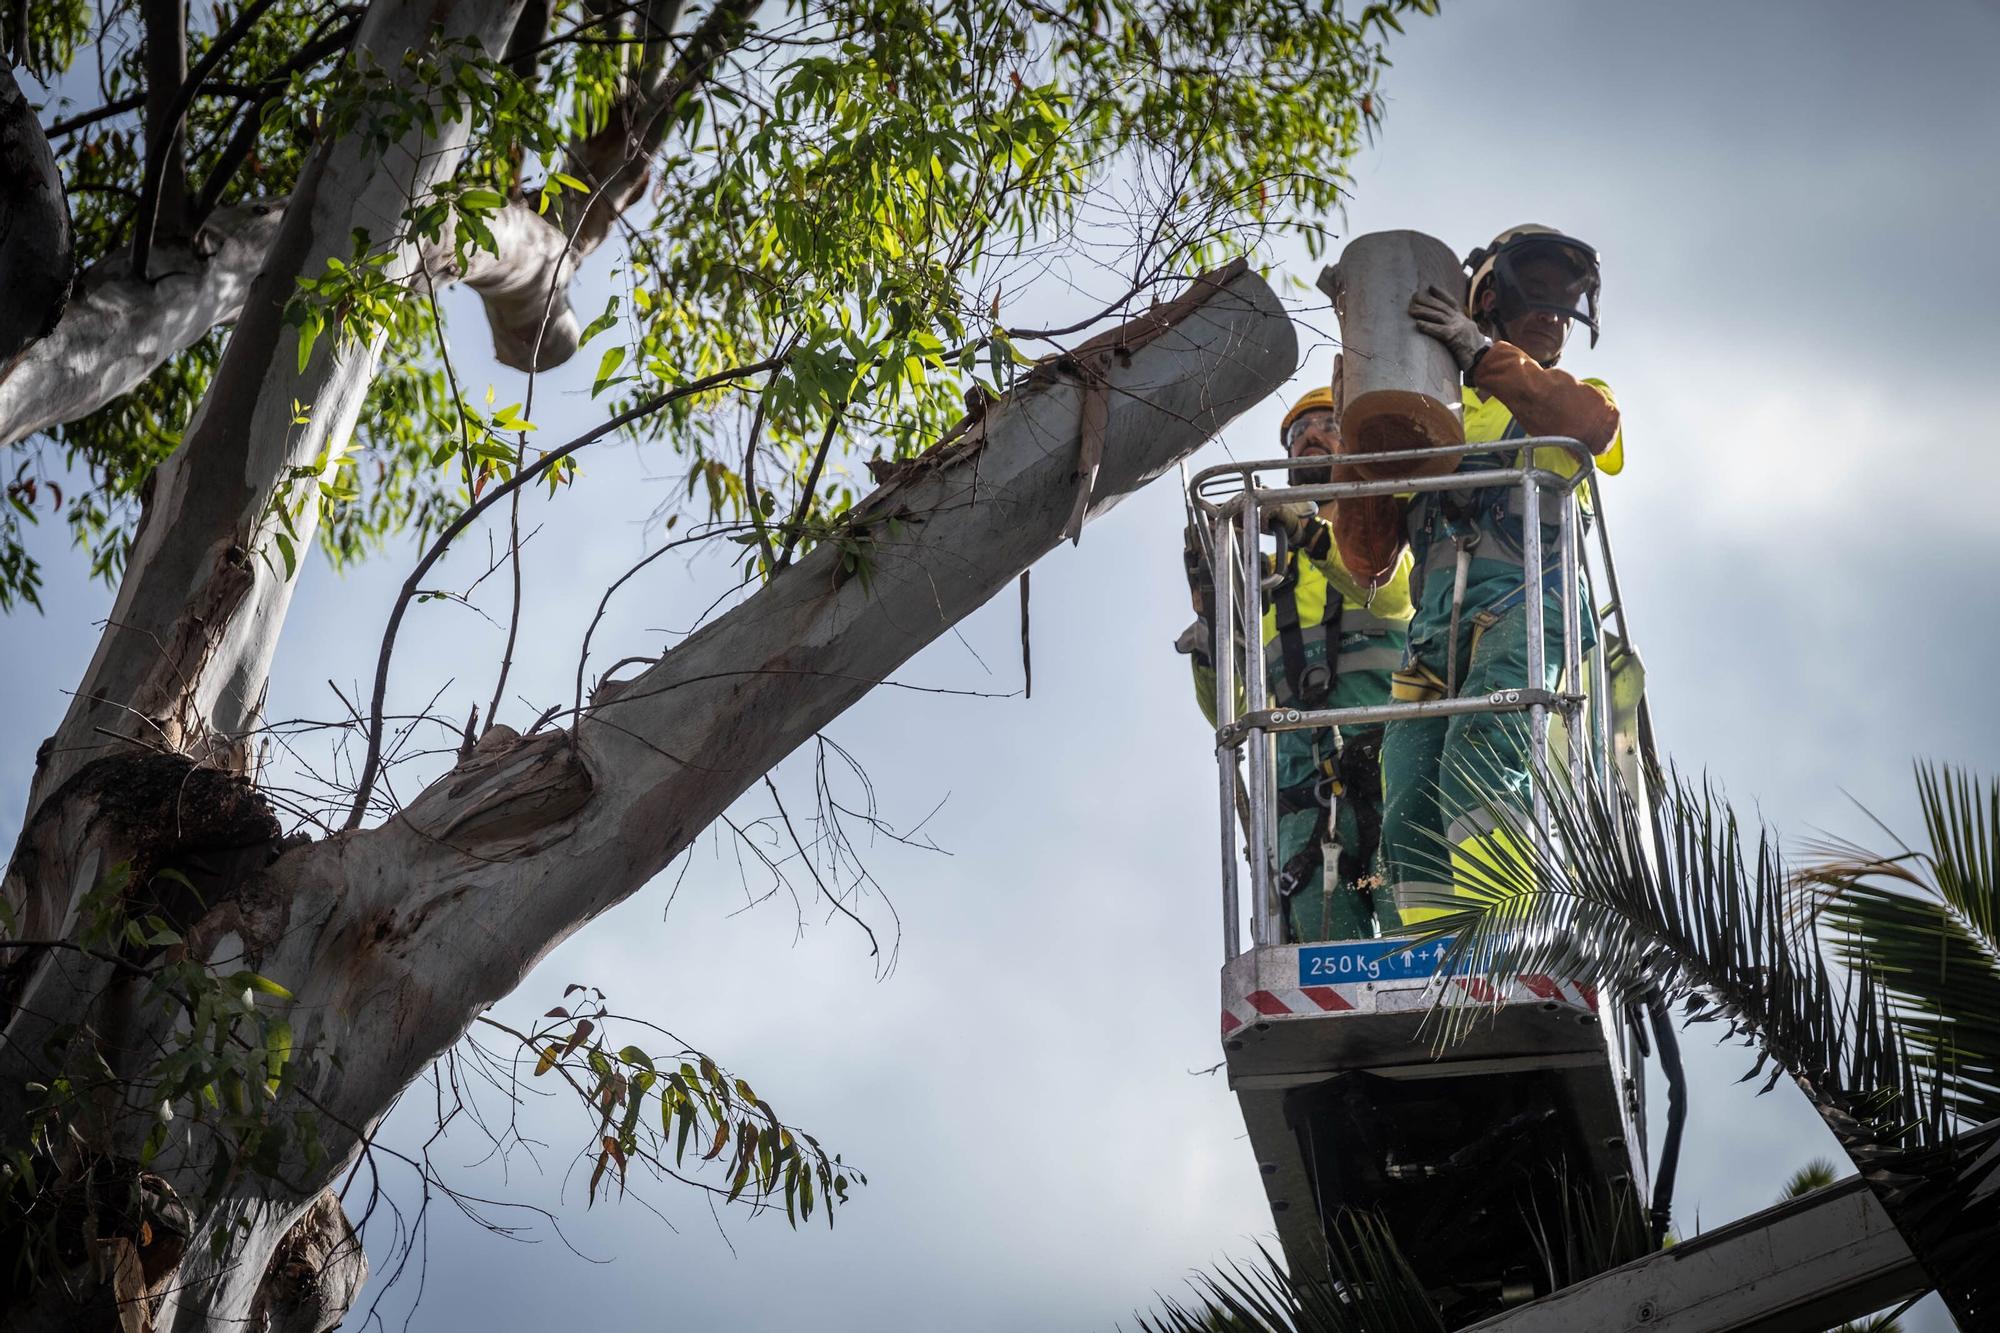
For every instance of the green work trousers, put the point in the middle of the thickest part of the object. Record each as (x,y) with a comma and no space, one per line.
(1442,776)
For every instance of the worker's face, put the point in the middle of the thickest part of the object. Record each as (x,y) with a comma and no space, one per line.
(1313,434)
(1545,280)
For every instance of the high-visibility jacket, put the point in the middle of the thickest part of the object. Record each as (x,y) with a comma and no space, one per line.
(1370,629)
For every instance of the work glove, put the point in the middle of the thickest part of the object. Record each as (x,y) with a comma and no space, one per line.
(1289,519)
(1439,316)
(1201,583)
(1303,528)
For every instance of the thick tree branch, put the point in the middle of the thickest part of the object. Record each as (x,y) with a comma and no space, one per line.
(164,185)
(443,909)
(117,331)
(131,327)
(36,243)
(163,191)
(614,159)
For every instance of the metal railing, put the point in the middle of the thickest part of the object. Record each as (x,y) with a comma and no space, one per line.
(1228,504)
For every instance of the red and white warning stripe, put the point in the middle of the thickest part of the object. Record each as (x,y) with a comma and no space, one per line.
(1264,1006)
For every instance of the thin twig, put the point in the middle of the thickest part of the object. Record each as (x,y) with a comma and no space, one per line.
(105,112)
(372,765)
(796,525)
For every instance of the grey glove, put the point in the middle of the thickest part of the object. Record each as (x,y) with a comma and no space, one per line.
(1294,520)
(1439,316)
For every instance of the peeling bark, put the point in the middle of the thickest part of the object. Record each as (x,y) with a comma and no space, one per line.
(524,285)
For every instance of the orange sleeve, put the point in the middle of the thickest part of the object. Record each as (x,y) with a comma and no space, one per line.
(1547,402)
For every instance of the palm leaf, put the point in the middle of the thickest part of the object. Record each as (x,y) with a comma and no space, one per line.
(1871,1035)
(1679,899)
(1925,923)
(1371,1289)
(1814,1175)
(1965,846)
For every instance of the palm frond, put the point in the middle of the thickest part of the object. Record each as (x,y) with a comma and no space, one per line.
(1371,1289)
(1679,898)
(1924,923)
(1942,983)
(1964,831)
(1814,1175)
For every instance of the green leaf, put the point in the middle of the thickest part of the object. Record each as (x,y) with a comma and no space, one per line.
(277,1052)
(257,982)
(310,323)
(607,366)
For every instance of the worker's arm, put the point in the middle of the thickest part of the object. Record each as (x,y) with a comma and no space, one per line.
(1546,401)
(1197,641)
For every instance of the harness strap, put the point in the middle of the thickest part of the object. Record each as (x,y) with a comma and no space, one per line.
(1329,628)
(1465,542)
(1291,641)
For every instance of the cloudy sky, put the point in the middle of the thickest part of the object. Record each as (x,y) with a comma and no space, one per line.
(1796,205)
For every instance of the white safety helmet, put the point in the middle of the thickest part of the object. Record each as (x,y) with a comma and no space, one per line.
(1499,265)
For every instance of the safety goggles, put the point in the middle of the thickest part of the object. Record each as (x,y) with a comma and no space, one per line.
(1321,419)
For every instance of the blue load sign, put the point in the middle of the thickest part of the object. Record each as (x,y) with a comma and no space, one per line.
(1369,960)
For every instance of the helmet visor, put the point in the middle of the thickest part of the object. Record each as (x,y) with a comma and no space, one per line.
(1548,273)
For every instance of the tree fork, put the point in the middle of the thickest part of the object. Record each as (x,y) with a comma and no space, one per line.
(373,931)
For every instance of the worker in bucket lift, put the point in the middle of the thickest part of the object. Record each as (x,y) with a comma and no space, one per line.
(1329,642)
(1444,778)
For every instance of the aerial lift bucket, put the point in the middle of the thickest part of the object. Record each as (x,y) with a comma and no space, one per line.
(1511,1158)
(1491,1158)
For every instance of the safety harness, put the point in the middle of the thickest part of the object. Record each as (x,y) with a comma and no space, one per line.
(1353,771)
(1446,528)
(1310,685)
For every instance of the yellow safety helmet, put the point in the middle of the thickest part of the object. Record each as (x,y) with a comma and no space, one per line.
(1496,264)
(1314,400)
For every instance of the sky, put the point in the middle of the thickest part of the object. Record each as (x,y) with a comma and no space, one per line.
(1795,205)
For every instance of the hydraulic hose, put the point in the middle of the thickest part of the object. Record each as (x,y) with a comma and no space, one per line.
(1669,1048)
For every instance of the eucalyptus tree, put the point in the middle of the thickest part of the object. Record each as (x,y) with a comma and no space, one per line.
(821,224)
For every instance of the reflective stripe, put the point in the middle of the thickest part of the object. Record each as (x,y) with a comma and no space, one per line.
(1374,657)
(1353,620)
(1380,653)
(1468,829)
(1420,900)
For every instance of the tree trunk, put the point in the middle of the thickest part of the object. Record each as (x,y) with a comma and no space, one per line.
(392,939)
(183,659)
